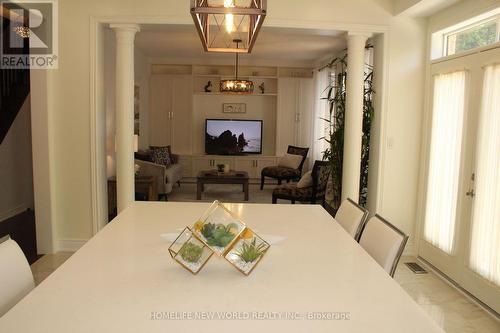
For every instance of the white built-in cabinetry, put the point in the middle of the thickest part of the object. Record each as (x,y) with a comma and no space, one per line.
(171,111)
(295,113)
(193,164)
(286,107)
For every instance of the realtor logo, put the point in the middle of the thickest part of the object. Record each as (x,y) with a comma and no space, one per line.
(28,34)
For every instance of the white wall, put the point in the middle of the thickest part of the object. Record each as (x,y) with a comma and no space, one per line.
(16,173)
(70,94)
(461,11)
(401,127)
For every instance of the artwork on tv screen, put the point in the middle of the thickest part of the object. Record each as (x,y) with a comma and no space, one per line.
(233,137)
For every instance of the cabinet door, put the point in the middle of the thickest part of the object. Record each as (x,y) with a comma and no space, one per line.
(263,162)
(182,98)
(305,112)
(160,110)
(287,114)
(246,164)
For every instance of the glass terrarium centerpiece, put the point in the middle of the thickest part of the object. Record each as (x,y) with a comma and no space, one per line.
(189,251)
(247,251)
(218,231)
(219,228)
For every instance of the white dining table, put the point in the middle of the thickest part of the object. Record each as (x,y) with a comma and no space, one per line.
(316,279)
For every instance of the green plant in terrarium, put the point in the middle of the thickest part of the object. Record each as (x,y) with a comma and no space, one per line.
(191,252)
(208,230)
(219,235)
(249,252)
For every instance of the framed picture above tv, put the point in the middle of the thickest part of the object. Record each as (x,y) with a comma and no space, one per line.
(233,137)
(234,108)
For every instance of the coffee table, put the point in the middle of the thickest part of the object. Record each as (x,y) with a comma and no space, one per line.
(214,177)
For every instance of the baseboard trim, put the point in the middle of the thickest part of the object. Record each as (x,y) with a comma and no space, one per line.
(13,212)
(70,245)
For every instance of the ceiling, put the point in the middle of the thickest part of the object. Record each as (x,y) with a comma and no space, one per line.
(421,8)
(278,45)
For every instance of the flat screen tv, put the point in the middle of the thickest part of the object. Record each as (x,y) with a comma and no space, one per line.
(233,137)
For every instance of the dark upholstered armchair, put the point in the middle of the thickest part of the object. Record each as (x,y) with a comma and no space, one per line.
(283,173)
(313,194)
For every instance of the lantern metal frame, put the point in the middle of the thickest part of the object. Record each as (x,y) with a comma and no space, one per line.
(202,12)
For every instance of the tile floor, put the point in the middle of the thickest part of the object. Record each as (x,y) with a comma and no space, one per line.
(449,308)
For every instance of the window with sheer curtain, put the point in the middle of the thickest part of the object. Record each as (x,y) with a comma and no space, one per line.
(445,154)
(485,239)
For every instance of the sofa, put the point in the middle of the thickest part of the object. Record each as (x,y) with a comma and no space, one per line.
(166,177)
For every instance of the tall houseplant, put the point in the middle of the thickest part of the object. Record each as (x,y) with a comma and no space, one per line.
(336,97)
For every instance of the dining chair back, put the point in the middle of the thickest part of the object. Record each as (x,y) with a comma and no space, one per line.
(16,279)
(352,217)
(384,242)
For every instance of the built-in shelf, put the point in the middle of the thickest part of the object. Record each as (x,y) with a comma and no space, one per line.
(240,76)
(218,93)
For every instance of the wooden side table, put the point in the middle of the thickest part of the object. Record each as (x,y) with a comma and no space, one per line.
(143,184)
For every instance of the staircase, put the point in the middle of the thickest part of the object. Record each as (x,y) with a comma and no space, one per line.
(14,88)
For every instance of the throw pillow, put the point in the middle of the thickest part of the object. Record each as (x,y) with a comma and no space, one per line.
(290,161)
(161,155)
(306,180)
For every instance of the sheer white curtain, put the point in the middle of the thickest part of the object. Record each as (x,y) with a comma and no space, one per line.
(321,110)
(485,241)
(444,168)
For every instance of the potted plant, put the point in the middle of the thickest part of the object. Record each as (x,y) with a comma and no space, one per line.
(336,98)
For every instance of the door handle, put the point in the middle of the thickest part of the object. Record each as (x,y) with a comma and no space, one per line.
(471,193)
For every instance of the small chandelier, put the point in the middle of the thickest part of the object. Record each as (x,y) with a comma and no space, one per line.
(219,22)
(236,86)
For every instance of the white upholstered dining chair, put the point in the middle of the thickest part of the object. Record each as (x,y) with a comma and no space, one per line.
(384,242)
(16,279)
(351,217)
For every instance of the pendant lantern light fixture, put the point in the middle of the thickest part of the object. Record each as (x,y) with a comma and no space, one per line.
(220,22)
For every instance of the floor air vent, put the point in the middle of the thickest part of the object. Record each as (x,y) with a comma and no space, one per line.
(416,268)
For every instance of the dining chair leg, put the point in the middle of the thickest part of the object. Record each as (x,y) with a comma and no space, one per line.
(275,200)
(293,202)
(262,178)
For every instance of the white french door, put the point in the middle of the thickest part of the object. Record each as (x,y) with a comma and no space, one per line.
(461,229)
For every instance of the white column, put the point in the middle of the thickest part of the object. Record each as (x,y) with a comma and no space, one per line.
(125,35)
(353,131)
